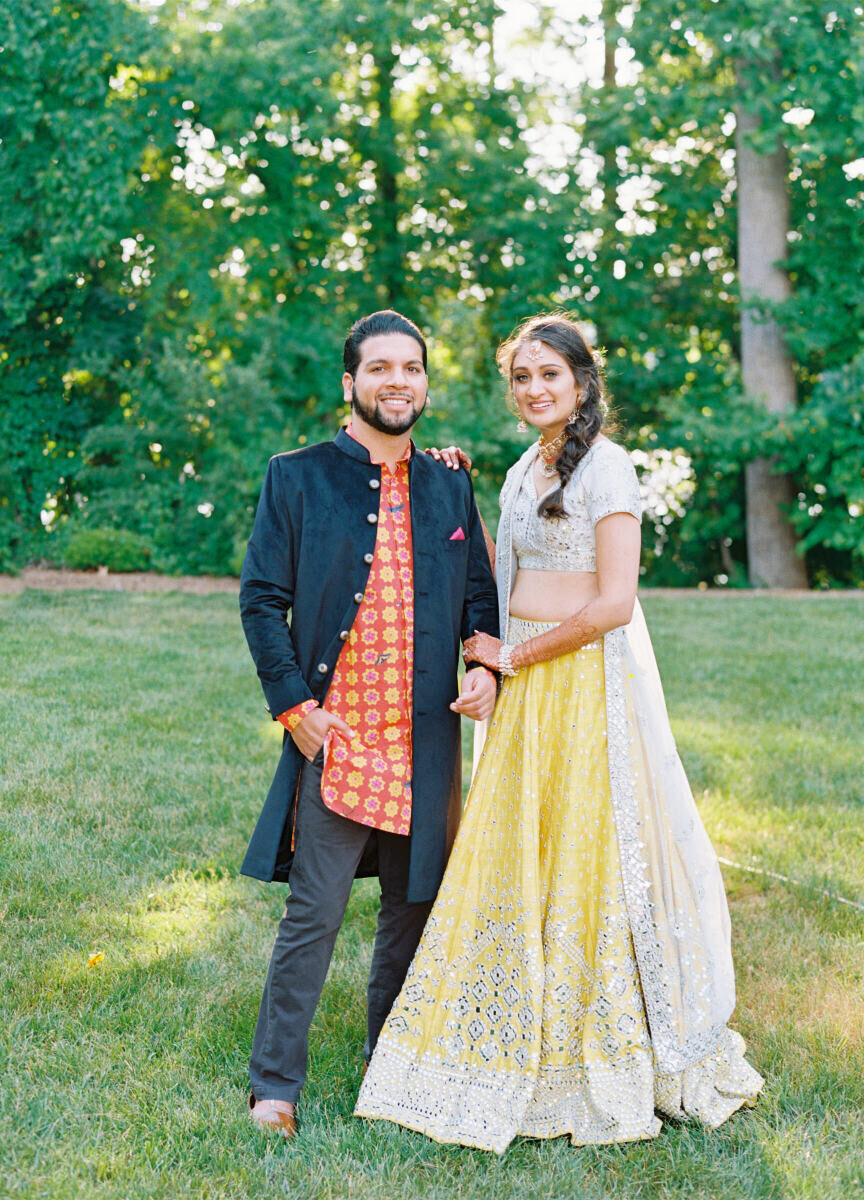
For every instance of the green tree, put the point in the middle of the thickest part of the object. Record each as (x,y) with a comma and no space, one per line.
(665,258)
(354,163)
(72,125)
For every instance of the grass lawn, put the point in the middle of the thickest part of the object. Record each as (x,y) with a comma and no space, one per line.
(135,753)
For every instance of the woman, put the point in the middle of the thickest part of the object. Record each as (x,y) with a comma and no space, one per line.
(575,973)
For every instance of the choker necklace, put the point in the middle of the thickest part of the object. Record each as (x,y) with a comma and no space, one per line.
(549,452)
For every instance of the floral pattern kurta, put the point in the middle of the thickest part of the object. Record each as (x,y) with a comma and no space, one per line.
(368,779)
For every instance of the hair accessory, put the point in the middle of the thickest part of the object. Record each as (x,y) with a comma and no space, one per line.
(535,348)
(505,660)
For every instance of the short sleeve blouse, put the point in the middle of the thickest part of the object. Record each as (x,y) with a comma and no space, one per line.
(603,483)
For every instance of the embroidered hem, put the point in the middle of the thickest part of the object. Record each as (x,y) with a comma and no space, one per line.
(451,1105)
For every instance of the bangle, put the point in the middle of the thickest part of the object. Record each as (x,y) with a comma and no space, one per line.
(505,660)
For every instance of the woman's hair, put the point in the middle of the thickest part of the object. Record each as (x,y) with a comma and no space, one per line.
(386,321)
(561,334)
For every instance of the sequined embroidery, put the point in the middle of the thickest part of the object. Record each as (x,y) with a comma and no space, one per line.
(603,483)
(523,1011)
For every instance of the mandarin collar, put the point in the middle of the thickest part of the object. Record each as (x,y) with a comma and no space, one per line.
(350,446)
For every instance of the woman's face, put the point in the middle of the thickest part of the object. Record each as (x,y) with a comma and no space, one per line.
(544,387)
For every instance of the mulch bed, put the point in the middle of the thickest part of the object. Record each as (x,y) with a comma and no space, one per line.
(133,581)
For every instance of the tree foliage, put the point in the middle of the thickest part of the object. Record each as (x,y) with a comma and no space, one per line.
(70,141)
(200,199)
(666,264)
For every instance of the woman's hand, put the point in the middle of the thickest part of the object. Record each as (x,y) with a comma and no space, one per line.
(452,457)
(482,648)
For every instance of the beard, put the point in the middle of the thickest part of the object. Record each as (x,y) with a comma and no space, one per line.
(393,425)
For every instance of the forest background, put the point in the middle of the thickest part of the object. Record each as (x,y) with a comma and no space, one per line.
(200,197)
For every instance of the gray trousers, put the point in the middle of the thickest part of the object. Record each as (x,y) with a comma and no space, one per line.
(327,850)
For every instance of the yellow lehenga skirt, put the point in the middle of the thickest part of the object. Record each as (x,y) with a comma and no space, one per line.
(522,1012)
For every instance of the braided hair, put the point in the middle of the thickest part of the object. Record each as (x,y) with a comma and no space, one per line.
(561,334)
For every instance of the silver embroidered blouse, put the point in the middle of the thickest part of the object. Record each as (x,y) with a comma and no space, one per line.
(603,483)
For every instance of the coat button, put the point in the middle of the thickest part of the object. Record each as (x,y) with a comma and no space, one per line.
(358,596)
(375,484)
(322,668)
(369,558)
(343,636)
(372,518)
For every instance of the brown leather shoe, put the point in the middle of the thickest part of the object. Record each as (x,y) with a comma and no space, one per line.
(279,1115)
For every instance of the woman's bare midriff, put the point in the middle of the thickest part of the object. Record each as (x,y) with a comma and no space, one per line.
(551,595)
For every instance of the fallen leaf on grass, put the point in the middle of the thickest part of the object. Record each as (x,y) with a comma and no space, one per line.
(95,959)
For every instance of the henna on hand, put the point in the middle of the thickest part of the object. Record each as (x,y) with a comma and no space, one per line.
(482,648)
(572,634)
(453,457)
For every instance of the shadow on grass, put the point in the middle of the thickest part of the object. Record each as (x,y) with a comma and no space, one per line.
(146,1057)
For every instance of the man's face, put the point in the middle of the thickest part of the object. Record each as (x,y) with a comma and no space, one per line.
(390,387)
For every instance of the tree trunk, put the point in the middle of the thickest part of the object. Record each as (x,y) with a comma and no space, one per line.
(609,181)
(766,367)
(389,265)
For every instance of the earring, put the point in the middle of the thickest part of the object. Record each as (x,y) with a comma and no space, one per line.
(521,427)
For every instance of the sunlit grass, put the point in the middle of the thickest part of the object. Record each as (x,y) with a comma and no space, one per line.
(135,755)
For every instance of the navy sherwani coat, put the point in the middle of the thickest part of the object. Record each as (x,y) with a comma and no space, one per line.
(309,554)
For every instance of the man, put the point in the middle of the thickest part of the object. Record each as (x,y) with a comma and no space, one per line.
(378,553)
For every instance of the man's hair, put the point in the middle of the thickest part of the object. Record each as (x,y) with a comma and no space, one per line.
(386,321)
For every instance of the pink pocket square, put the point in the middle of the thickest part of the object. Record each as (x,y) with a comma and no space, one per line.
(458,536)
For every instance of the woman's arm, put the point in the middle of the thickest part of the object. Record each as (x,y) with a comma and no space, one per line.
(618,546)
(489,540)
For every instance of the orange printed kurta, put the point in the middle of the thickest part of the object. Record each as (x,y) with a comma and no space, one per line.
(369,779)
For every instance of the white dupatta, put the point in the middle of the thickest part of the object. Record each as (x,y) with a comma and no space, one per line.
(673,888)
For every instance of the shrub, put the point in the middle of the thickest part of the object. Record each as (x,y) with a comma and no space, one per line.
(116,549)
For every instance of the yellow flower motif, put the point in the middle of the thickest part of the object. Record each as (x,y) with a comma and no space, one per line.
(354,781)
